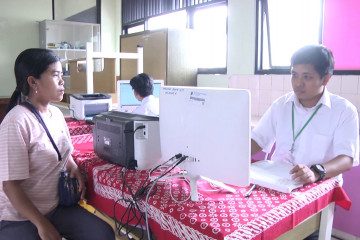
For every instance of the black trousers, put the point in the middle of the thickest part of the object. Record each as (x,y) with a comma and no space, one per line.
(73,223)
(313,236)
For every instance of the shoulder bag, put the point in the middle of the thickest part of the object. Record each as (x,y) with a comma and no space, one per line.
(68,187)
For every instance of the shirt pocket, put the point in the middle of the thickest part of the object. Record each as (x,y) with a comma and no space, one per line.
(321,146)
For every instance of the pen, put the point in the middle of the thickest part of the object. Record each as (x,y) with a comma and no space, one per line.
(250,191)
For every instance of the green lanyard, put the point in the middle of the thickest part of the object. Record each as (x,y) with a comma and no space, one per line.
(307,122)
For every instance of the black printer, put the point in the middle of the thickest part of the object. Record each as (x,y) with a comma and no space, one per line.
(129,140)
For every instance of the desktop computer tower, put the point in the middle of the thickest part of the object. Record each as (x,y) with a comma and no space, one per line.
(126,139)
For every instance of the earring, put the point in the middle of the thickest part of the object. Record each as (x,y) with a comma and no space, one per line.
(35,91)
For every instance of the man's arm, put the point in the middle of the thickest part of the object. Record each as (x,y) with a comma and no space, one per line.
(338,165)
(25,207)
(255,148)
(334,167)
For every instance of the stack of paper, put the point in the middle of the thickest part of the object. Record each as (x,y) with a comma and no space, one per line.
(274,175)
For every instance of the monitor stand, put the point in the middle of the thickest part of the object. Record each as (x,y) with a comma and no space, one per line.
(193,184)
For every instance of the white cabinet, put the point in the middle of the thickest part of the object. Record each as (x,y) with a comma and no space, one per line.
(68,39)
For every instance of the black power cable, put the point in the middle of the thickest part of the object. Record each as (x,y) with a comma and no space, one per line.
(133,211)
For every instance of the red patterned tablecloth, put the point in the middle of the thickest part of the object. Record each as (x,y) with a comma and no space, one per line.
(78,127)
(217,215)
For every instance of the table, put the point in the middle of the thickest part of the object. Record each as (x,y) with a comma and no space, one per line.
(267,214)
(78,127)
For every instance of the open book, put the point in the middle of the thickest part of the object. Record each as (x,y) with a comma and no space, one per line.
(274,175)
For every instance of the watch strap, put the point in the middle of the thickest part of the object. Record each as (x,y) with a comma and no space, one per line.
(319,171)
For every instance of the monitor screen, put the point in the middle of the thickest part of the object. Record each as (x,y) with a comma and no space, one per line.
(212,127)
(125,93)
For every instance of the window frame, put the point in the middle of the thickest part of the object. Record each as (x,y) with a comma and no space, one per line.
(261,12)
(190,11)
(262,8)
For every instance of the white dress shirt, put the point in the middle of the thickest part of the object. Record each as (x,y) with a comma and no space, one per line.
(333,131)
(149,106)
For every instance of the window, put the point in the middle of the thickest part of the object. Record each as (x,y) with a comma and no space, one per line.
(207,17)
(283,27)
(171,20)
(210,23)
(135,29)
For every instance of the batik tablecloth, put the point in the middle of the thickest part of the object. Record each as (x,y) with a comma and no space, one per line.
(78,127)
(218,214)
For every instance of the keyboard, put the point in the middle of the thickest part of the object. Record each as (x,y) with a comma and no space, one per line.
(127,108)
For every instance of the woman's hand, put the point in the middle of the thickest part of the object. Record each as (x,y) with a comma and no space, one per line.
(47,231)
(25,207)
(75,173)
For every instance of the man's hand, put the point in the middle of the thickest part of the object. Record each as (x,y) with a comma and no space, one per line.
(303,174)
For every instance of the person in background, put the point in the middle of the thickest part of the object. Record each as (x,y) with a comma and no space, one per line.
(29,164)
(314,130)
(143,87)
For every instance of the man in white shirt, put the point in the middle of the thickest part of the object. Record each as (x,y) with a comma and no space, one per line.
(143,87)
(316,131)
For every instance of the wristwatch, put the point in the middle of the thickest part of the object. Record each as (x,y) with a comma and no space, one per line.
(319,169)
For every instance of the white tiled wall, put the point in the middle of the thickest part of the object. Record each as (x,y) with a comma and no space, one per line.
(266,88)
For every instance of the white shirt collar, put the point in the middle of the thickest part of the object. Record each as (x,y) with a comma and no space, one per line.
(325,99)
(147,98)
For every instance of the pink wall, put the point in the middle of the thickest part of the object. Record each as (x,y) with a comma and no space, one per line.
(349,221)
(342,36)
(342,32)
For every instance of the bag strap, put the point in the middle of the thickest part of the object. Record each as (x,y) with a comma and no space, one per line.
(38,116)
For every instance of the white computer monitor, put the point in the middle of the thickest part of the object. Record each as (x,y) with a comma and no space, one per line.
(126,100)
(212,126)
